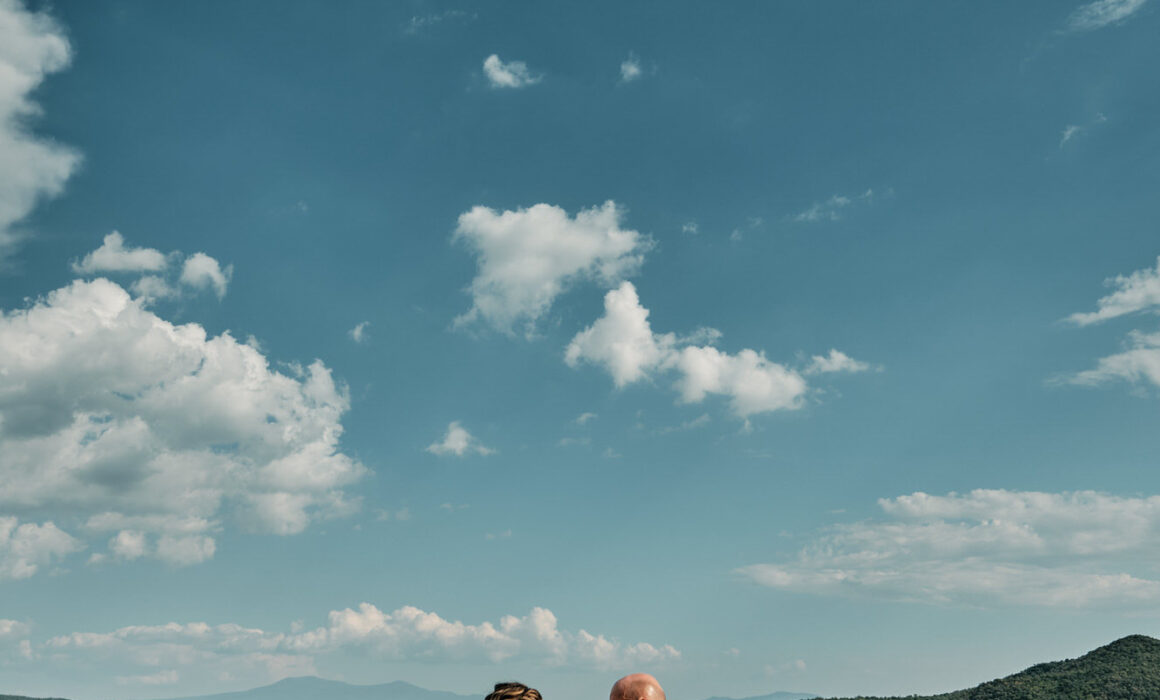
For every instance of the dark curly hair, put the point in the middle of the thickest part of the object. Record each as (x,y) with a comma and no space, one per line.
(514,691)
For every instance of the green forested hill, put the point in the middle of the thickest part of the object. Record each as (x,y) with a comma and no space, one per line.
(1127,669)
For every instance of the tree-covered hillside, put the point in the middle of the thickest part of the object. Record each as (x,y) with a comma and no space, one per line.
(1127,669)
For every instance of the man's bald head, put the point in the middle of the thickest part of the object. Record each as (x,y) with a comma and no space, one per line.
(638,686)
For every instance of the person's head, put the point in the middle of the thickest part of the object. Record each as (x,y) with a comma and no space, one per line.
(513,691)
(638,686)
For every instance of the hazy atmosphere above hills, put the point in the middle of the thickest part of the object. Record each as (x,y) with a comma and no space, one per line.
(795,346)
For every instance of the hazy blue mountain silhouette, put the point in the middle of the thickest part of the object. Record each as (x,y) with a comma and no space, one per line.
(313,688)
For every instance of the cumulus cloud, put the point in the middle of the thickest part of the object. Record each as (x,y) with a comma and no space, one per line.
(407,633)
(623,342)
(158,432)
(833,208)
(200,271)
(1102,13)
(631,69)
(512,74)
(113,256)
(26,548)
(985,548)
(528,257)
(32,46)
(1139,291)
(457,441)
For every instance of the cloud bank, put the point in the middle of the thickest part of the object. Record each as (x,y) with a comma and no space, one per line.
(159,654)
(157,433)
(986,548)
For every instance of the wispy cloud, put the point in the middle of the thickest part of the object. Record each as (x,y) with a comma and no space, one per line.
(1102,13)
(510,74)
(834,208)
(836,361)
(1072,130)
(1138,291)
(359,333)
(458,442)
(420,23)
(585,417)
(986,548)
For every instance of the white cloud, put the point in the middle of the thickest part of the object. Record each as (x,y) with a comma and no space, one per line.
(151,288)
(987,547)
(161,652)
(199,271)
(203,272)
(359,333)
(25,548)
(585,417)
(836,361)
(623,342)
(1101,13)
(752,383)
(1139,362)
(13,629)
(419,23)
(832,208)
(1139,291)
(528,257)
(690,227)
(457,441)
(128,544)
(631,69)
(513,74)
(31,169)
(1072,130)
(128,422)
(113,256)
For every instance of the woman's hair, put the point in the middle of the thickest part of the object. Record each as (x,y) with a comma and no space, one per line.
(513,691)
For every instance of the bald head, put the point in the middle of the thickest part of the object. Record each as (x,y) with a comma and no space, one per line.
(638,686)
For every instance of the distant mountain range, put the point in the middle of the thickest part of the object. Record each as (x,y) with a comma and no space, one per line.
(312,688)
(1126,669)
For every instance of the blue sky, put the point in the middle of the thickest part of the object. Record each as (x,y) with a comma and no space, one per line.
(761,346)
